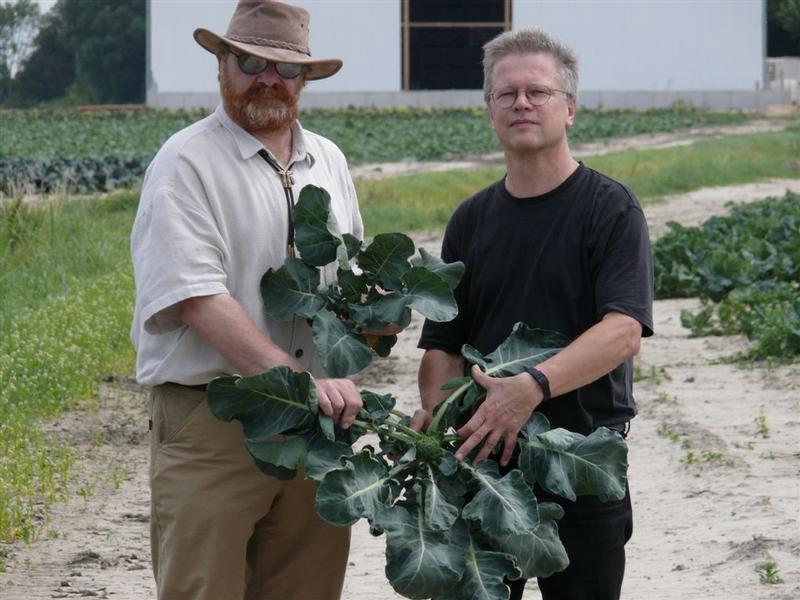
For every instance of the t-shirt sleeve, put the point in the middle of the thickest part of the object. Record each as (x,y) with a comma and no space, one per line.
(451,335)
(178,253)
(622,267)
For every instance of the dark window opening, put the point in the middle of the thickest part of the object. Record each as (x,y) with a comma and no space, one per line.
(443,41)
(441,11)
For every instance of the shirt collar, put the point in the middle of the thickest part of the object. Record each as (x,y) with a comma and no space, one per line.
(249,145)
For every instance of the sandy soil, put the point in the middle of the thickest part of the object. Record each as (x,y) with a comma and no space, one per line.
(713,454)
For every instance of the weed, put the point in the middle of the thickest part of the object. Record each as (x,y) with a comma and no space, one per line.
(97,438)
(767,455)
(768,573)
(690,459)
(664,430)
(119,472)
(654,374)
(86,491)
(762,429)
(709,456)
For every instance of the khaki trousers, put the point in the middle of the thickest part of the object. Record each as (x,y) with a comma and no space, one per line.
(220,528)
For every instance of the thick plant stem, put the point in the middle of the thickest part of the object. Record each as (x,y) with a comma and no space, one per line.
(388,432)
(441,409)
(404,428)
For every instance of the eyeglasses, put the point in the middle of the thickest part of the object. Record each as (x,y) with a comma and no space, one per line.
(253,65)
(536,95)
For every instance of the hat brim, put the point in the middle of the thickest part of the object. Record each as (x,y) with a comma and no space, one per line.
(316,68)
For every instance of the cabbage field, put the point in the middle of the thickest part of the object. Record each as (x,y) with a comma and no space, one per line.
(99,151)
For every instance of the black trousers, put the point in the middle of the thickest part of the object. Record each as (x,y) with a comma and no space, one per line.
(594,534)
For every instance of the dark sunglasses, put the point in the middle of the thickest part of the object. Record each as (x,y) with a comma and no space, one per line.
(253,65)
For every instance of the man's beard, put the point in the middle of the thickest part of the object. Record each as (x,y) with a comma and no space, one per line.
(260,109)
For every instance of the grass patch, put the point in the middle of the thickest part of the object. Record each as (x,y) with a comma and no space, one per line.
(419,201)
(731,160)
(65,307)
(426,200)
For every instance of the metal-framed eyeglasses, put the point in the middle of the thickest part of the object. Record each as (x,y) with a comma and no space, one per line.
(254,65)
(536,95)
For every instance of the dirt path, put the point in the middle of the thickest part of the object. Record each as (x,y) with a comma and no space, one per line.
(714,467)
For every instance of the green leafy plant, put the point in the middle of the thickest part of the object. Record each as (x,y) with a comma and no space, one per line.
(376,286)
(768,573)
(762,429)
(447,523)
(745,269)
(451,527)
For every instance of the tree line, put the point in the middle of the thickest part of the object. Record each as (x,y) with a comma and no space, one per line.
(79,52)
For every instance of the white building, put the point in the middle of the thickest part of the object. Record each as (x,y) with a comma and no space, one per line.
(633,53)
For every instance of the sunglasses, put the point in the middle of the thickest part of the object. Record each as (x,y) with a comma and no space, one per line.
(253,65)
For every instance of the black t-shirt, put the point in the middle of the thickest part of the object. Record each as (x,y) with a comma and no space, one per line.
(558,261)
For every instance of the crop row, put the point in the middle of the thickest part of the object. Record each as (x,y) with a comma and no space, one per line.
(101,151)
(745,268)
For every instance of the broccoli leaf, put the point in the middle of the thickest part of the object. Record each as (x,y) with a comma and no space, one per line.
(569,464)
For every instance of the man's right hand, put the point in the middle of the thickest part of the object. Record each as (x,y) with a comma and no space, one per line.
(339,399)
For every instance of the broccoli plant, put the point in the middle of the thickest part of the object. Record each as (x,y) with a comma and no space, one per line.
(454,530)
(376,285)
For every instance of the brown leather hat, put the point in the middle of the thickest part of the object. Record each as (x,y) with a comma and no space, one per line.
(273,30)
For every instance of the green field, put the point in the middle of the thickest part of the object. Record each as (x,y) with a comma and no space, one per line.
(426,200)
(66,289)
(84,152)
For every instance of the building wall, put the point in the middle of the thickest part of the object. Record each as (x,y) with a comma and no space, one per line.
(633,53)
(657,45)
(365,35)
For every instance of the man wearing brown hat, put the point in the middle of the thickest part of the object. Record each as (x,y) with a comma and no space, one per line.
(215,213)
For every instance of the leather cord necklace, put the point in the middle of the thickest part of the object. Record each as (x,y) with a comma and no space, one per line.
(287,180)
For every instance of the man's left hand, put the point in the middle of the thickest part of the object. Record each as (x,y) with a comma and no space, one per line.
(508,405)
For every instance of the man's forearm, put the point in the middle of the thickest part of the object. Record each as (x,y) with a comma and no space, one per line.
(436,368)
(596,352)
(224,324)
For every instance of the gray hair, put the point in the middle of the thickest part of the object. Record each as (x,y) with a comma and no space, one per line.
(531,40)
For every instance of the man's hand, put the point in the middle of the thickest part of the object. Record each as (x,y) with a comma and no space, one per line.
(390,329)
(508,406)
(421,419)
(339,399)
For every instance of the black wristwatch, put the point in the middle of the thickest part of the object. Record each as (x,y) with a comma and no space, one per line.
(542,380)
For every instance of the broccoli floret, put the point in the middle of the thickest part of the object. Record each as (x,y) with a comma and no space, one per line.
(429,449)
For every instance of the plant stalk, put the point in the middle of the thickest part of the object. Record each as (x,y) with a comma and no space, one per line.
(389,432)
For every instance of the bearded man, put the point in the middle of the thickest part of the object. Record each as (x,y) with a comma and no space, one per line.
(215,214)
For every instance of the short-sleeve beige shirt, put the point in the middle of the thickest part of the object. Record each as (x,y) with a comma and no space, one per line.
(212,219)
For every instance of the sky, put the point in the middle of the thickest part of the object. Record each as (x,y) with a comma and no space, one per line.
(45,5)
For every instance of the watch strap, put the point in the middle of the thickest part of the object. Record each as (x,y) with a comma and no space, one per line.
(542,380)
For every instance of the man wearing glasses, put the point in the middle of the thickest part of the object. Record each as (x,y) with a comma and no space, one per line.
(215,214)
(558,246)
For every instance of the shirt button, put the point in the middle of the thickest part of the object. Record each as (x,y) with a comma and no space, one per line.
(298,353)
